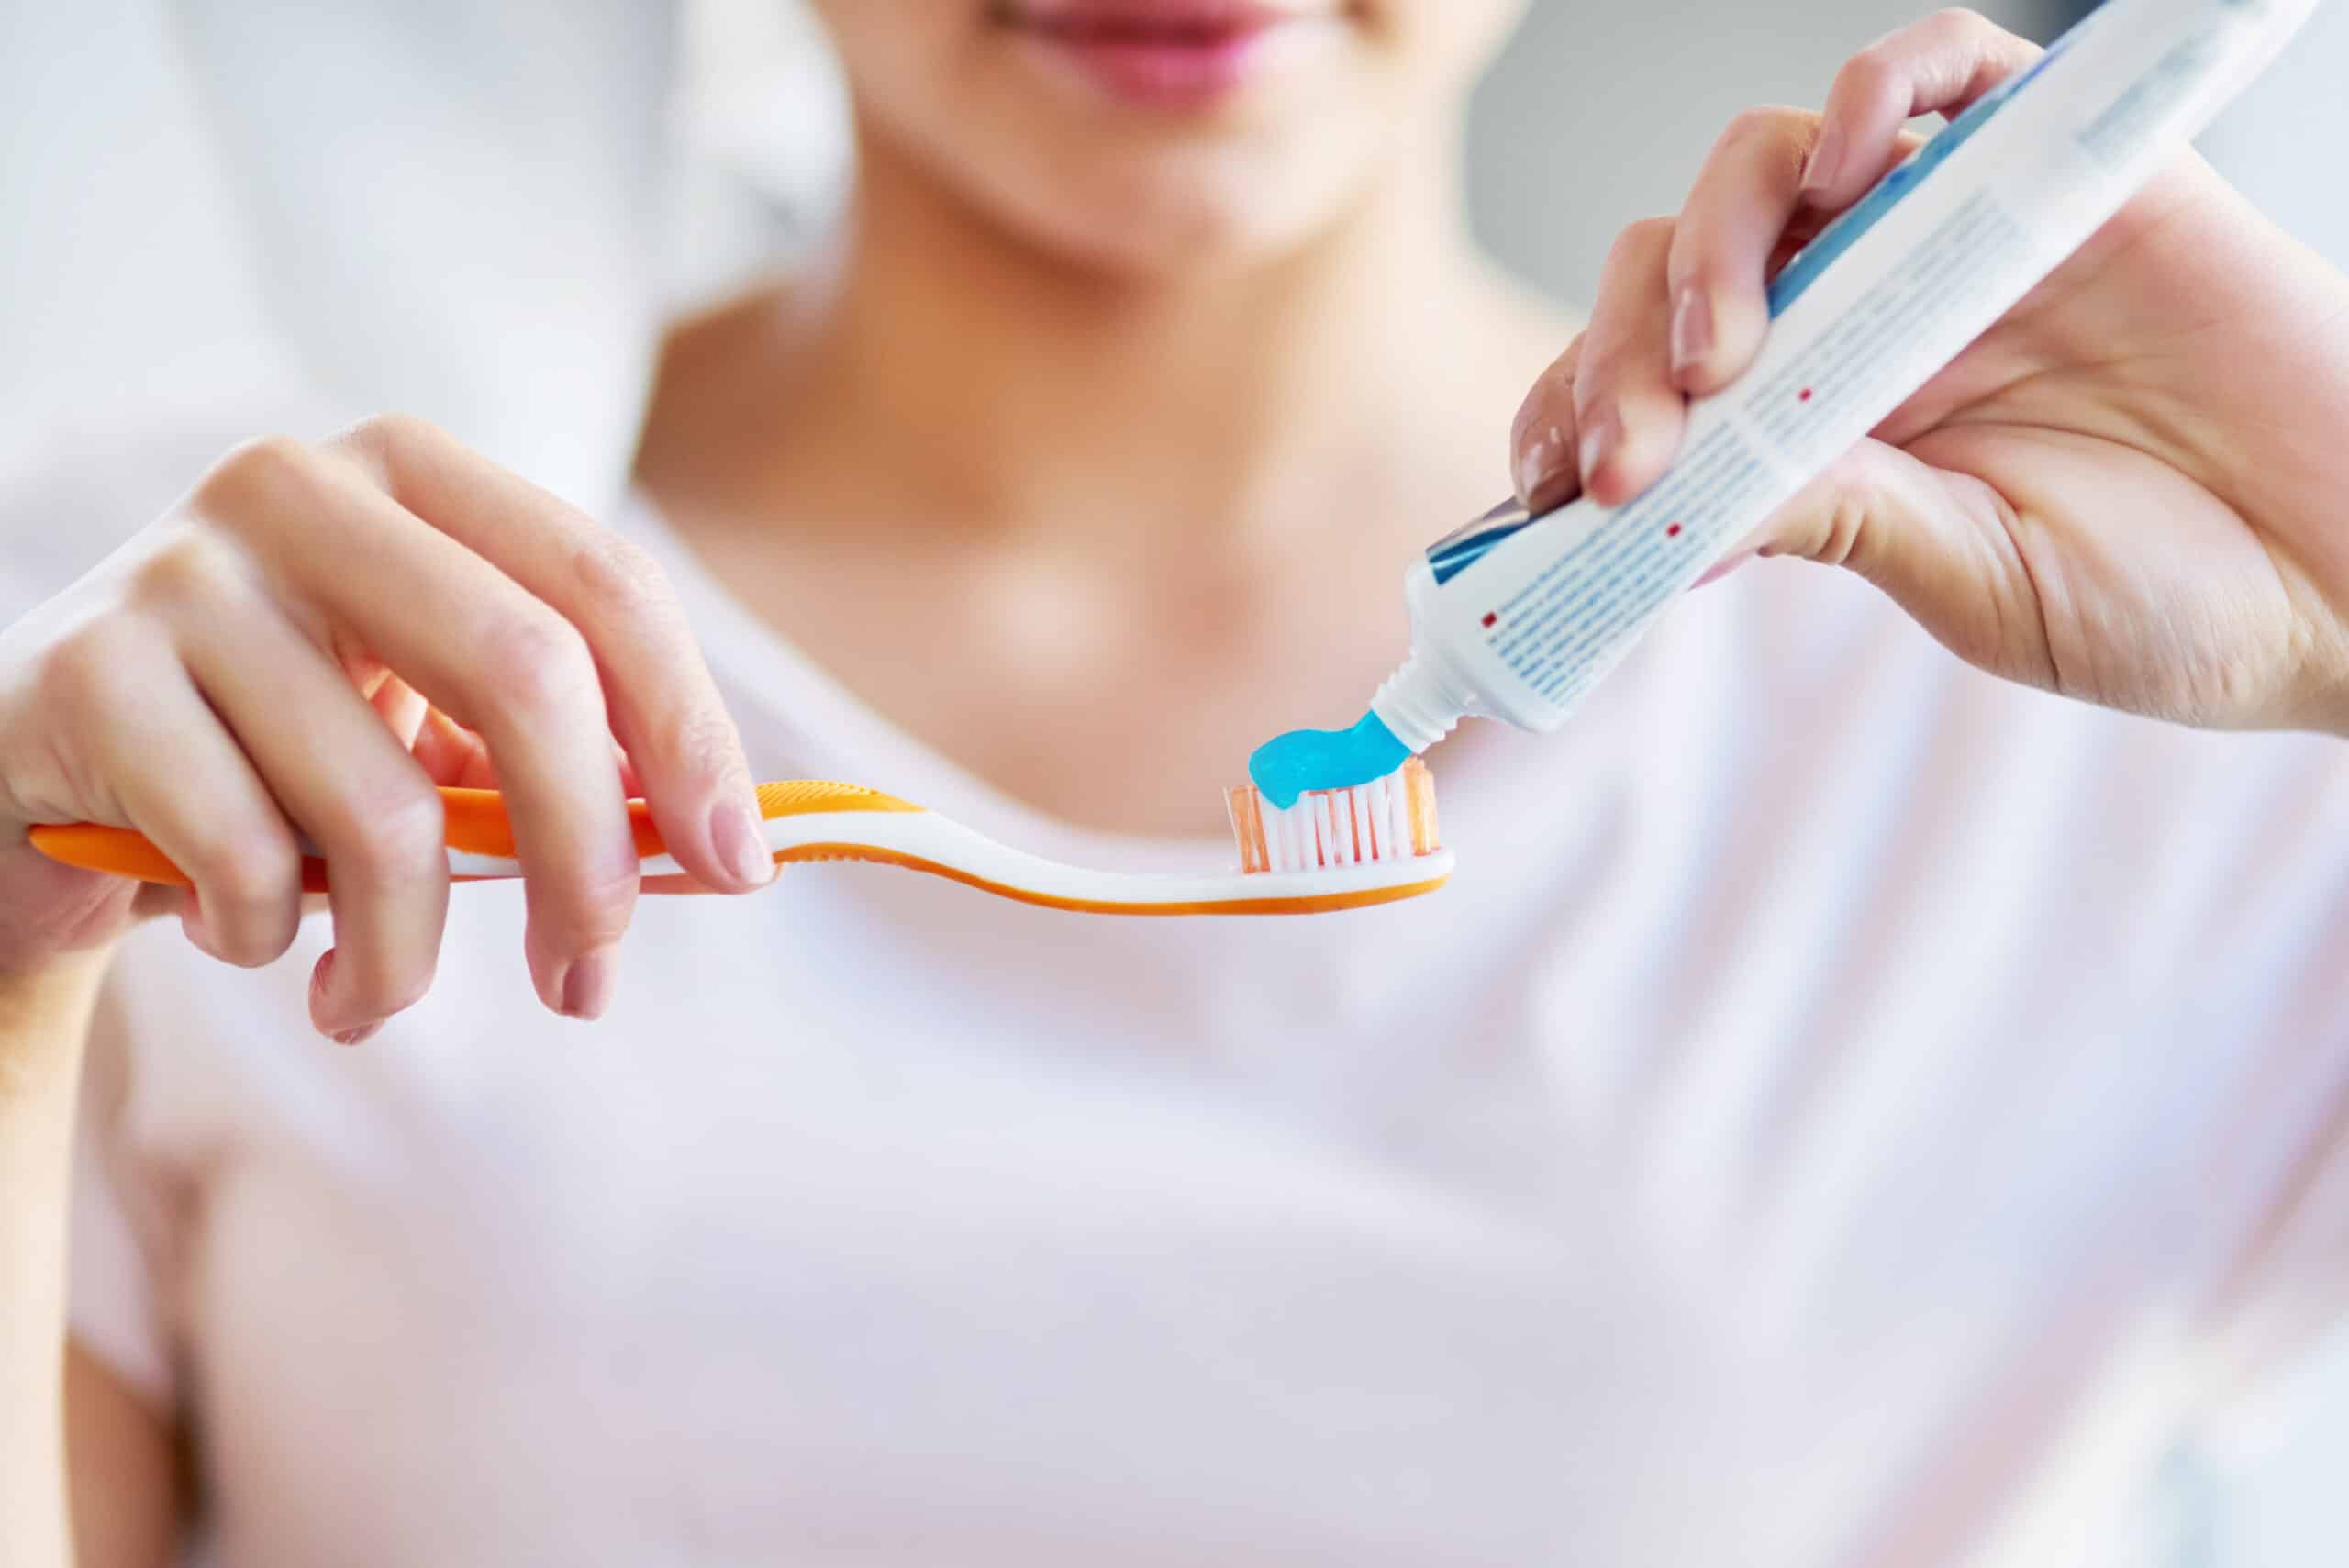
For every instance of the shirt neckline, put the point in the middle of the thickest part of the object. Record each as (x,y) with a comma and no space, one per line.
(826,724)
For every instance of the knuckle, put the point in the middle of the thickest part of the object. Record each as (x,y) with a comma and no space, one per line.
(397,836)
(536,661)
(89,670)
(1760,124)
(613,576)
(606,900)
(196,572)
(257,865)
(75,671)
(383,435)
(265,471)
(1867,74)
(1641,239)
(577,907)
(700,741)
(247,884)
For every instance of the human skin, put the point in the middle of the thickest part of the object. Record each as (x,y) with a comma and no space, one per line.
(1015,386)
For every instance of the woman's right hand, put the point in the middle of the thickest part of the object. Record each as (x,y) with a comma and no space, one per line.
(307,644)
(2126,490)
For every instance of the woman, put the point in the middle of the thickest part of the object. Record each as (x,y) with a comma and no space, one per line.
(1839,1114)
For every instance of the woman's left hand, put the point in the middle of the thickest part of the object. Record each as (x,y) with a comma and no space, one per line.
(2132,489)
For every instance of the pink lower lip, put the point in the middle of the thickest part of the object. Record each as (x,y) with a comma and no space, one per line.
(1164,70)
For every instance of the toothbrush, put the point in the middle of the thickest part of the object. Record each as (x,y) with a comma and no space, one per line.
(1333,849)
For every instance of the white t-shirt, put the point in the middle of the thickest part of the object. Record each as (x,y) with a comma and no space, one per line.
(1843,1111)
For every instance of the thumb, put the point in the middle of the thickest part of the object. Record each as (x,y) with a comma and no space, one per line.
(1946,547)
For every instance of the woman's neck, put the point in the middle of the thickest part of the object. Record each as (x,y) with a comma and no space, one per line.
(1172,515)
(958,370)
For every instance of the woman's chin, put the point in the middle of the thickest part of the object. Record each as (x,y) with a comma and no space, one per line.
(1175,243)
(1173,213)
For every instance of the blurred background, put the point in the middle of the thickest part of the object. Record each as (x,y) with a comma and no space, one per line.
(151,224)
(1565,149)
(166,240)
(180,259)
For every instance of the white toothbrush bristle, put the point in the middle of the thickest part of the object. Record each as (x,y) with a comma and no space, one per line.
(1389,819)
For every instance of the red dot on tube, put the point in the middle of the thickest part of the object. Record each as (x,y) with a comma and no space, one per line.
(1803,396)
(1490,618)
(1672,532)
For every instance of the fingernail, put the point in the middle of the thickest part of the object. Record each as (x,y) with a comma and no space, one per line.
(359,1036)
(587,985)
(1538,464)
(1602,432)
(734,832)
(1819,171)
(1692,329)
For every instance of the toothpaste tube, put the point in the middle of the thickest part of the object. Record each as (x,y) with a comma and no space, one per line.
(1516,616)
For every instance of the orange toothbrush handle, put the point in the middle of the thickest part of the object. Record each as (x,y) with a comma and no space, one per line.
(474,825)
(474,820)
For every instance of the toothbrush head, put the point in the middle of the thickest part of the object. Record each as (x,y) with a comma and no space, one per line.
(1332,850)
(1389,819)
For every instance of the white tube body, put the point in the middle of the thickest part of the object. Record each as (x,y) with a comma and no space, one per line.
(1515,618)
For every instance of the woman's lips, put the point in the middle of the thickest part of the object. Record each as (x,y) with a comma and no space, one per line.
(1161,54)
